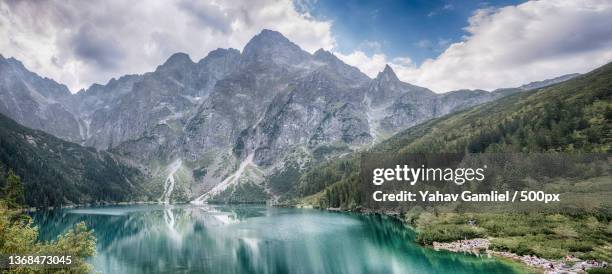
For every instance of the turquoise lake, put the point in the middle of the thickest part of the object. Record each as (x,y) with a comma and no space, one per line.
(254,239)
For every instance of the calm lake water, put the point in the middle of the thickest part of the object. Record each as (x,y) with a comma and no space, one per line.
(254,239)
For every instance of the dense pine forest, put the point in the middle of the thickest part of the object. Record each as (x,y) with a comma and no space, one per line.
(55,172)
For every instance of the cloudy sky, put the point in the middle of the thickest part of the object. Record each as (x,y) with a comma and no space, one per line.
(443,45)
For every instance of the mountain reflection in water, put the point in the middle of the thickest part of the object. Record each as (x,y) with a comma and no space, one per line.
(254,239)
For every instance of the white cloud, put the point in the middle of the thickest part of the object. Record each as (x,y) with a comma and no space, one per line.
(370,65)
(82,42)
(374,46)
(513,45)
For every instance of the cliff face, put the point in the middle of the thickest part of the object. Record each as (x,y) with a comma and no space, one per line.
(36,102)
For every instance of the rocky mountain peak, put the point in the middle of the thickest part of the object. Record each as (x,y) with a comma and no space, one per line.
(271,34)
(12,62)
(13,72)
(178,59)
(219,53)
(387,75)
(322,54)
(268,40)
(271,45)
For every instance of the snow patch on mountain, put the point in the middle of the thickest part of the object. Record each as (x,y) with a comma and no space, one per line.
(170,181)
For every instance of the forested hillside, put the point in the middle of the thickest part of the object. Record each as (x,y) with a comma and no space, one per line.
(57,172)
(573,116)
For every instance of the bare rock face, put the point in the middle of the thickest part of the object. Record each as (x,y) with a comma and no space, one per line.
(397,105)
(232,117)
(36,102)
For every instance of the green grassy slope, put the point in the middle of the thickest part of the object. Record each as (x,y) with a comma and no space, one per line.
(56,172)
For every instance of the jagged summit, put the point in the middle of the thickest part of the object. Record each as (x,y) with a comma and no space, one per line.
(271,45)
(387,74)
(272,34)
(178,59)
(8,59)
(221,52)
(268,39)
(327,57)
(323,54)
(12,61)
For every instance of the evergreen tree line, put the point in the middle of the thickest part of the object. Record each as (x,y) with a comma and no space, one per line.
(56,172)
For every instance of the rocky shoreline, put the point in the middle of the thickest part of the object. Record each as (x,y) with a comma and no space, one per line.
(68,206)
(480,246)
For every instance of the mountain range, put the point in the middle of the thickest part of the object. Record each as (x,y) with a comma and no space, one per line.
(234,126)
(571,117)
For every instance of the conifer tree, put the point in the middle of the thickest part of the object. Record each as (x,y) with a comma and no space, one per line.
(14,193)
